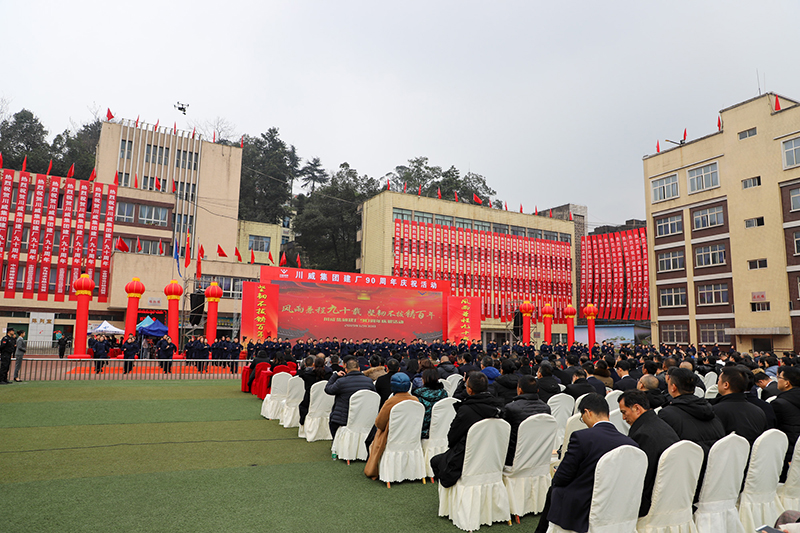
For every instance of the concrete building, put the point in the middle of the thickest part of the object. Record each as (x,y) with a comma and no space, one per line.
(378,227)
(723,227)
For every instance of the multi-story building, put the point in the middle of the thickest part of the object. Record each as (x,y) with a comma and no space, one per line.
(723,229)
(378,251)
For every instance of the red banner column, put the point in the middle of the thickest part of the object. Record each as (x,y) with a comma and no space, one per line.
(590,312)
(570,313)
(134,289)
(173,292)
(83,287)
(547,318)
(527,310)
(213,295)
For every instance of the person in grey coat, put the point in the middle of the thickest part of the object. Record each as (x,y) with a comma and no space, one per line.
(342,386)
(22,347)
(526,403)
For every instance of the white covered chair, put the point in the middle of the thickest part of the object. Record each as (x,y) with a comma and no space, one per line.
(716,508)
(699,392)
(561,407)
(402,458)
(348,444)
(319,411)
(578,401)
(528,479)
(272,406)
(442,415)
(295,390)
(673,491)
(758,502)
(562,387)
(455,379)
(575,423)
(710,379)
(789,492)
(617,492)
(612,398)
(712,391)
(615,417)
(449,386)
(479,496)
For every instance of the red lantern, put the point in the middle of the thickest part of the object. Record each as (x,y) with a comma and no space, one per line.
(590,312)
(569,313)
(173,291)
(213,295)
(83,287)
(134,290)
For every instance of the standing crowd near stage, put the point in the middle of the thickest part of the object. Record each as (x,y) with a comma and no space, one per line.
(516,381)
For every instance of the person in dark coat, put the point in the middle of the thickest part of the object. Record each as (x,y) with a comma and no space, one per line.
(505,386)
(313,372)
(130,349)
(768,387)
(652,434)
(787,408)
(691,417)
(626,382)
(465,365)
(649,385)
(383,385)
(732,408)
(479,405)
(547,384)
(7,346)
(100,353)
(599,386)
(570,496)
(166,349)
(579,385)
(526,403)
(446,368)
(62,346)
(342,386)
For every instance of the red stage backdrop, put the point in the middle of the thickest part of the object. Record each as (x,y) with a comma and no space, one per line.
(463,318)
(259,310)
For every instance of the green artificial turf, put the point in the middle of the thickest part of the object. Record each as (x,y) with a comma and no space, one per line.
(183,456)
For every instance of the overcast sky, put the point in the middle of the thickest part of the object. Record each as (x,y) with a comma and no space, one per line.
(553,102)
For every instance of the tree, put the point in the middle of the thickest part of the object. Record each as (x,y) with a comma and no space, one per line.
(79,149)
(328,220)
(268,168)
(314,174)
(24,135)
(418,173)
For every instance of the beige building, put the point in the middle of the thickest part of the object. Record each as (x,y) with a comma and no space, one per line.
(378,227)
(204,207)
(723,227)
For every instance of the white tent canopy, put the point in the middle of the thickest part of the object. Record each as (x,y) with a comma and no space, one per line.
(107,329)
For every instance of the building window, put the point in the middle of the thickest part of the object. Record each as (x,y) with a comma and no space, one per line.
(258,243)
(751,182)
(565,237)
(747,133)
(669,226)
(401,214)
(124,179)
(672,297)
(705,177)
(503,228)
(674,333)
(755,264)
(125,149)
(152,215)
(516,230)
(713,334)
(794,195)
(426,218)
(791,152)
(444,220)
(796,236)
(284,239)
(482,226)
(149,183)
(124,212)
(671,261)
(759,307)
(534,233)
(706,218)
(712,294)
(550,235)
(710,255)
(754,222)
(465,223)
(150,248)
(665,188)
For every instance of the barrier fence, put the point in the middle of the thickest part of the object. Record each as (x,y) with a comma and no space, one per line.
(49,369)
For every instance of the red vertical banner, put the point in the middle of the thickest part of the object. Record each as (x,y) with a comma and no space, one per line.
(621,272)
(29,284)
(454,281)
(259,310)
(481,243)
(612,307)
(66,230)
(446,254)
(461,267)
(94,229)
(406,246)
(584,277)
(437,251)
(398,242)
(645,274)
(108,243)
(414,256)
(603,280)
(431,252)
(636,260)
(80,223)
(49,237)
(627,241)
(12,270)
(463,318)
(6,192)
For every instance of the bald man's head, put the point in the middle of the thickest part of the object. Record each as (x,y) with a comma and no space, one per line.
(648,382)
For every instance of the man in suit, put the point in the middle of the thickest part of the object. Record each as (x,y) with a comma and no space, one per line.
(768,387)
(579,385)
(652,434)
(626,382)
(787,409)
(570,496)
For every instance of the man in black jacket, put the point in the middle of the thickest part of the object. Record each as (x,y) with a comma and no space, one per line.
(787,408)
(732,408)
(7,347)
(548,386)
(383,385)
(465,365)
(626,382)
(649,385)
(691,417)
(446,368)
(526,403)
(579,385)
(652,434)
(768,387)
(342,386)
(478,405)
(566,375)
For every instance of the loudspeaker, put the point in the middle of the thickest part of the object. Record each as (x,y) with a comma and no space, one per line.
(197,301)
(517,324)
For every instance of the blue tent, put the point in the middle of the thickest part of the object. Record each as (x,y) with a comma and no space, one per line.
(144,323)
(155,329)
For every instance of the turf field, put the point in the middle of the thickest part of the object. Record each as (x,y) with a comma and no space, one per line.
(177,456)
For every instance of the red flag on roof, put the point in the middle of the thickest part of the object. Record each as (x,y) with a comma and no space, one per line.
(241,144)
(404,187)
(160,248)
(71,171)
(201,252)
(719,123)
(456,193)
(777,103)
(24,163)
(283,259)
(175,127)
(156,126)
(419,192)
(138,245)
(684,134)
(109,114)
(174,187)
(439,192)
(193,130)
(476,199)
(551,213)
(570,215)
(658,148)
(520,208)
(505,205)
(536,210)
(215,137)
(136,125)
(49,167)
(93,174)
(221,252)
(271,260)
(116,178)
(135,180)
(388,185)
(490,203)
(238,255)
(252,257)
(121,246)
(299,264)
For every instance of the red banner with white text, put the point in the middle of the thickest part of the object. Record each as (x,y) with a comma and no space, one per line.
(49,237)
(12,269)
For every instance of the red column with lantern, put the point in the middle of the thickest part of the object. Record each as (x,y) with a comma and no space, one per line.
(134,289)
(569,313)
(547,319)
(213,295)
(173,292)
(83,287)
(590,312)
(527,311)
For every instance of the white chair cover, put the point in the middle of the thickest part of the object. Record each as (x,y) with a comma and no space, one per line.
(348,444)
(449,387)
(710,379)
(455,379)
(562,387)
(319,411)
(673,492)
(528,479)
(771,399)
(575,423)
(716,508)
(272,406)
(479,496)
(758,502)
(617,491)
(442,415)
(699,392)
(612,398)
(578,403)
(615,417)
(789,492)
(712,391)
(295,390)
(403,459)
(561,407)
